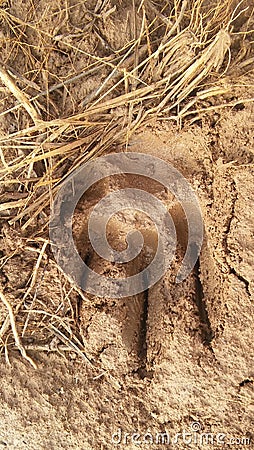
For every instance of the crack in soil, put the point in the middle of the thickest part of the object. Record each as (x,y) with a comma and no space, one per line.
(242,279)
(207,331)
(232,270)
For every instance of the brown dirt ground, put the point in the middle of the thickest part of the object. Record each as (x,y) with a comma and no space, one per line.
(173,356)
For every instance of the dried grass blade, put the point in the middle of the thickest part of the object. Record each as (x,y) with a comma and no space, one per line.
(18,343)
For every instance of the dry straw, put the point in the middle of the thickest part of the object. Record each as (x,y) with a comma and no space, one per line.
(179,58)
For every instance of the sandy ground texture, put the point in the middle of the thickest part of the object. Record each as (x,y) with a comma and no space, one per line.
(195,362)
(171,367)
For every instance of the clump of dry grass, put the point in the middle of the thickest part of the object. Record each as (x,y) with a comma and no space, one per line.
(178,60)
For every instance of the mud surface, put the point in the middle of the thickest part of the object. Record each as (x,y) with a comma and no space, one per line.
(176,354)
(173,359)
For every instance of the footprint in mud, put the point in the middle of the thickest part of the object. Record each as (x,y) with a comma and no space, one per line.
(134,334)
